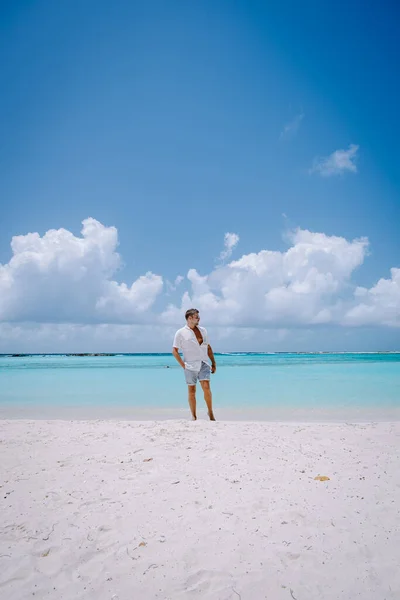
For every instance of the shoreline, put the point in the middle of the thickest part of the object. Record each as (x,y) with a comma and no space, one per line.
(47,412)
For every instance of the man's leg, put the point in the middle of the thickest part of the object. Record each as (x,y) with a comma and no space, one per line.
(192,400)
(205,384)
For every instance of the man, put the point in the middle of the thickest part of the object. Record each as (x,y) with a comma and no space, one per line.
(197,356)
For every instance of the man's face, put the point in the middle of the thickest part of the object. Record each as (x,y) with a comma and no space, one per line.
(195,319)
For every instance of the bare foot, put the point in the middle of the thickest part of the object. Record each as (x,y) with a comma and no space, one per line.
(211,415)
(194,418)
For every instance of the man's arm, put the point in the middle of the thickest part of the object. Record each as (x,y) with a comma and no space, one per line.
(176,354)
(212,358)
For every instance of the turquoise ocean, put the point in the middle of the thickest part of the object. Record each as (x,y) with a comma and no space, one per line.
(281,386)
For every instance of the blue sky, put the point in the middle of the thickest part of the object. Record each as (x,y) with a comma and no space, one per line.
(179,122)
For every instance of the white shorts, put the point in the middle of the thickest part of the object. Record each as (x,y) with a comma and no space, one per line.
(192,377)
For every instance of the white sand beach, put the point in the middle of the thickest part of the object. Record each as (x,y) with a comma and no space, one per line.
(119,510)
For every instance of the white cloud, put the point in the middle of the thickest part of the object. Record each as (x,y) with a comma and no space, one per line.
(171,287)
(63,278)
(178,280)
(337,163)
(70,337)
(291,128)
(67,337)
(230,241)
(62,287)
(379,305)
(299,287)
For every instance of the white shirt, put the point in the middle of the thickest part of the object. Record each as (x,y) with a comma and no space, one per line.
(193,354)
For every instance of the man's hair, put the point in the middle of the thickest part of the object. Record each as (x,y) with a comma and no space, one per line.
(191,312)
